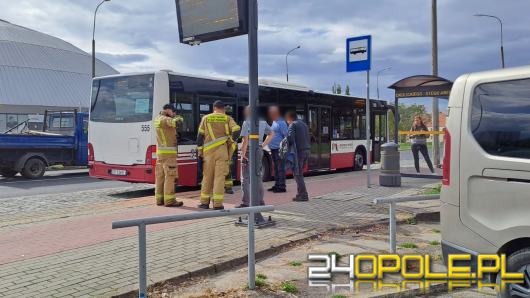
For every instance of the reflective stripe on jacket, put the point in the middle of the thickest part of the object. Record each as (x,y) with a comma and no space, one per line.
(216,129)
(166,133)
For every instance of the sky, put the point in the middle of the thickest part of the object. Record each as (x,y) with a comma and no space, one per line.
(142,35)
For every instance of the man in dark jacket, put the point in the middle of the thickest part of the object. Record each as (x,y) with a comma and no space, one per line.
(298,136)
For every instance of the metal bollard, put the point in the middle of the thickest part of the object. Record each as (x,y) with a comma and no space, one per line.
(390,169)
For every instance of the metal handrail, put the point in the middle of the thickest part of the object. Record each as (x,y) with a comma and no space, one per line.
(392,201)
(141,223)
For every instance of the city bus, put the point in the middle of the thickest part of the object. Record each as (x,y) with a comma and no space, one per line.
(122,141)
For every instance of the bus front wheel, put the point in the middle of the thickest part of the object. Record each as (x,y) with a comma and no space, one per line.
(358,160)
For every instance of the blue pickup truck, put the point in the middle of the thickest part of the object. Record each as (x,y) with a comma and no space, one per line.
(63,140)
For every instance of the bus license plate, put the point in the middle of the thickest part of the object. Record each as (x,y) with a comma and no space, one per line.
(118,172)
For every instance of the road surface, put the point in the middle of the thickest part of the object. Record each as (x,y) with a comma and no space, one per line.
(54,182)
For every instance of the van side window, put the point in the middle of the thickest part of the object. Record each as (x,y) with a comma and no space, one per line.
(500,118)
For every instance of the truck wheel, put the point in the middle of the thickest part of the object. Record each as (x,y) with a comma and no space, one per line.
(519,261)
(8,173)
(34,168)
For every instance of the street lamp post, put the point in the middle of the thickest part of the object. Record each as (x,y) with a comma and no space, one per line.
(94,40)
(378,74)
(502,34)
(287,62)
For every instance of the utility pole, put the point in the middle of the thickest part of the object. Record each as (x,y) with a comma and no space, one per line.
(254,134)
(94,39)
(435,116)
(287,62)
(503,64)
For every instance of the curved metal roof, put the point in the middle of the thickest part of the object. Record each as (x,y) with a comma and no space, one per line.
(39,69)
(420,81)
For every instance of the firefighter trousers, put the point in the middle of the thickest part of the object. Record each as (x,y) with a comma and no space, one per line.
(166,171)
(215,169)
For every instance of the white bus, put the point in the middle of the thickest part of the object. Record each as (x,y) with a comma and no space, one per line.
(122,142)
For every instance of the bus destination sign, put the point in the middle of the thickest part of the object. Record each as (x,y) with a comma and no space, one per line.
(208,20)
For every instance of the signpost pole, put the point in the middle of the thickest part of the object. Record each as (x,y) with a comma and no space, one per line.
(435,107)
(368,121)
(254,137)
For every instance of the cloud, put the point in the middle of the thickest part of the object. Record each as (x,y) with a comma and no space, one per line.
(142,35)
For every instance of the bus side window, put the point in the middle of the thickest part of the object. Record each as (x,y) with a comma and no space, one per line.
(187,132)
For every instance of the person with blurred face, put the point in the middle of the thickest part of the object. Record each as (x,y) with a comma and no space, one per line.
(280,129)
(298,138)
(264,132)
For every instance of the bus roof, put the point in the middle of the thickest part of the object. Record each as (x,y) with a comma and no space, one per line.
(262,82)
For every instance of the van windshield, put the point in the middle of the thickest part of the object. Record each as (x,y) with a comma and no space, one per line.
(122,99)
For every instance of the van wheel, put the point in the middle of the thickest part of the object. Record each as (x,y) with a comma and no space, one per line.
(358,160)
(267,173)
(9,173)
(519,261)
(34,168)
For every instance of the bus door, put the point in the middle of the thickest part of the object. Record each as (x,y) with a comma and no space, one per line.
(378,131)
(319,122)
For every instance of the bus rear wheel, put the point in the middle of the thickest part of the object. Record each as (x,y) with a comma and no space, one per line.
(358,160)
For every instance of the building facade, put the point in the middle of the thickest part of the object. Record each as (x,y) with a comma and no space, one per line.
(40,72)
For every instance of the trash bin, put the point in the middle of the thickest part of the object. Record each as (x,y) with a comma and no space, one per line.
(390,175)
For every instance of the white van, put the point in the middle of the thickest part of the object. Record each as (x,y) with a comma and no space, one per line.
(486,175)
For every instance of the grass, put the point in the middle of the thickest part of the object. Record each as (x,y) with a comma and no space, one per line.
(437,231)
(408,245)
(289,287)
(295,263)
(433,191)
(412,221)
(434,242)
(337,256)
(407,146)
(261,281)
(338,296)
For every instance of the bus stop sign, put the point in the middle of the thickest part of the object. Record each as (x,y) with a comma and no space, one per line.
(208,20)
(358,53)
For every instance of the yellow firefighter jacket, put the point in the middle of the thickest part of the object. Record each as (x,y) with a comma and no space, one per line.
(166,133)
(215,130)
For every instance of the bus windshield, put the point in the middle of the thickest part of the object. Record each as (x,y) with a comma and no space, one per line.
(122,99)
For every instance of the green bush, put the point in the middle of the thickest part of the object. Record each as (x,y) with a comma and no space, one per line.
(295,263)
(412,221)
(289,287)
(408,245)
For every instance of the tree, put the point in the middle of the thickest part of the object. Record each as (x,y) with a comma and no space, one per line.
(407,114)
(338,89)
(334,89)
(347,92)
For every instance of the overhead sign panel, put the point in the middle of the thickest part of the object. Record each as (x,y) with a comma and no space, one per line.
(207,20)
(358,53)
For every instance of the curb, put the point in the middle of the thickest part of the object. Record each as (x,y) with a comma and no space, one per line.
(260,255)
(436,289)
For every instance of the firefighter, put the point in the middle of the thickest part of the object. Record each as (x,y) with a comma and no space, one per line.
(166,170)
(215,141)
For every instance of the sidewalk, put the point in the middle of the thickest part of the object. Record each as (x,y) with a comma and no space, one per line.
(76,254)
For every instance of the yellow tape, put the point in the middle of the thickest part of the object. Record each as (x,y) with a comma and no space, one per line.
(421,132)
(253,137)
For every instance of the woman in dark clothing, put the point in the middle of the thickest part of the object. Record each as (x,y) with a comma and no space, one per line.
(419,144)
